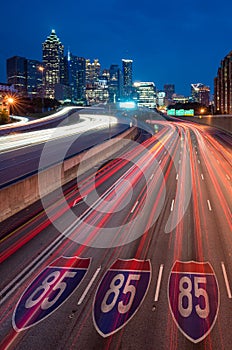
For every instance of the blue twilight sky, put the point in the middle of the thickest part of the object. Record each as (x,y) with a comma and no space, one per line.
(179,42)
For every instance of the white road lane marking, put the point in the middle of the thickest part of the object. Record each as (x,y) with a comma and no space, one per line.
(159,283)
(13,285)
(89,286)
(135,205)
(209,205)
(77,201)
(228,178)
(160,161)
(172,206)
(177,177)
(202,176)
(226,280)
(151,176)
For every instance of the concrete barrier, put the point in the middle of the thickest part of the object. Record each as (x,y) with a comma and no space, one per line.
(218,121)
(26,192)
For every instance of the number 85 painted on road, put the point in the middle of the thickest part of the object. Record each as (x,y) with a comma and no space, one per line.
(186,293)
(120,294)
(115,290)
(49,290)
(193,296)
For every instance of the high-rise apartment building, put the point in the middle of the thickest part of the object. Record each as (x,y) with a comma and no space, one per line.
(200,93)
(53,60)
(127,72)
(146,94)
(223,87)
(16,68)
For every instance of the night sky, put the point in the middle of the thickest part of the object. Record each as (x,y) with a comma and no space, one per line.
(179,42)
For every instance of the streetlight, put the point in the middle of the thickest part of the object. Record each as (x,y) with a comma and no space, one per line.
(10,101)
(41,69)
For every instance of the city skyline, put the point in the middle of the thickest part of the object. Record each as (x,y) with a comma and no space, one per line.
(177,46)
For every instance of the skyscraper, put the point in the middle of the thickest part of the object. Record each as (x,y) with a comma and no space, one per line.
(81,78)
(223,87)
(25,75)
(146,94)
(53,59)
(200,93)
(75,76)
(115,83)
(169,90)
(127,77)
(34,78)
(16,68)
(93,71)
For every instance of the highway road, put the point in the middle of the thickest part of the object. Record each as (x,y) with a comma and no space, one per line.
(20,152)
(137,256)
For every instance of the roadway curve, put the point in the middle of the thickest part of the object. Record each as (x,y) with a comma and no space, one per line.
(20,153)
(178,183)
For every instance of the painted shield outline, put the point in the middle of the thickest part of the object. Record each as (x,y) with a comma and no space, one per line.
(196,263)
(149,270)
(51,265)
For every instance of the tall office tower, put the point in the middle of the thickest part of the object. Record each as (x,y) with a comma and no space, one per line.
(25,75)
(93,71)
(200,93)
(146,94)
(16,68)
(169,90)
(127,77)
(34,78)
(223,87)
(115,83)
(81,79)
(106,74)
(75,76)
(53,59)
(160,99)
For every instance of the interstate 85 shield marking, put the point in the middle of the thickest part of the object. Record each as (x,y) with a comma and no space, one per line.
(49,290)
(120,294)
(193,296)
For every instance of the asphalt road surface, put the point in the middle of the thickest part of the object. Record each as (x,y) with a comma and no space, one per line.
(136,255)
(20,153)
